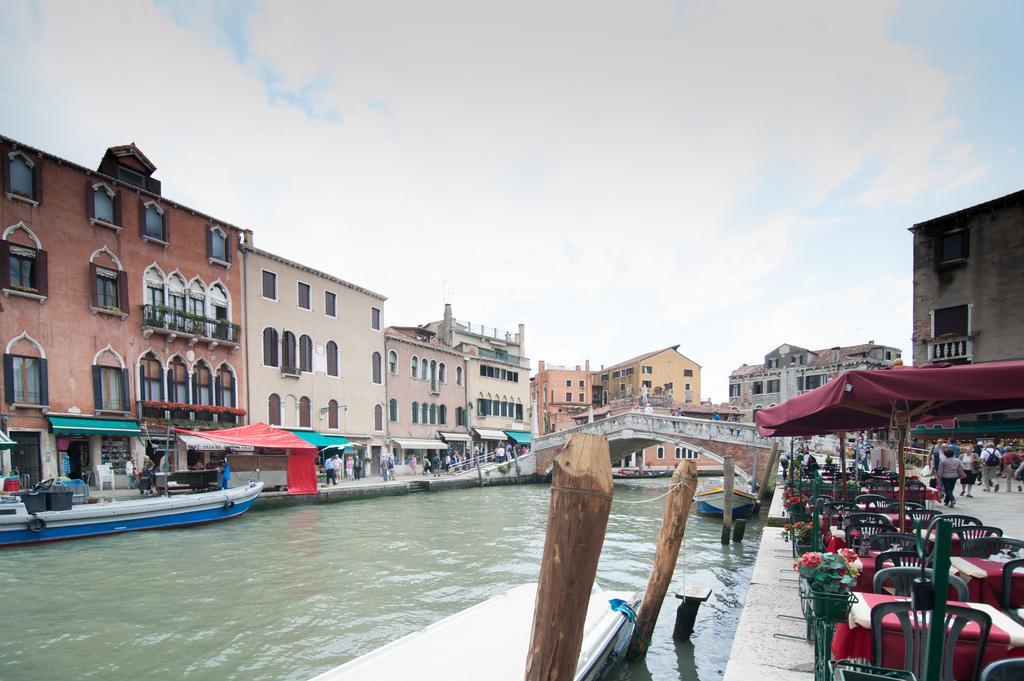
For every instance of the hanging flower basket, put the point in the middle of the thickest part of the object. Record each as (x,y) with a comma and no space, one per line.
(829,576)
(831,607)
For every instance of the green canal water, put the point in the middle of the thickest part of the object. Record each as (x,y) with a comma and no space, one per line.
(289,593)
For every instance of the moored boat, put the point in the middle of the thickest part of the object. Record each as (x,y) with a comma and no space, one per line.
(640,473)
(18,526)
(492,640)
(710,502)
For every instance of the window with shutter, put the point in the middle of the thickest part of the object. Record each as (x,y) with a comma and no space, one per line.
(305,418)
(375,366)
(332,414)
(274,410)
(270,347)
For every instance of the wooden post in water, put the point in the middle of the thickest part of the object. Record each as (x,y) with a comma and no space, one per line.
(773,465)
(728,472)
(673,525)
(581,498)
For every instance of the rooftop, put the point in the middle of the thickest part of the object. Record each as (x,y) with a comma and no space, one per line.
(638,358)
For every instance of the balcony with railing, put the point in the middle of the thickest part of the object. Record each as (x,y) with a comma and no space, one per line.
(203,416)
(502,356)
(950,349)
(290,370)
(172,322)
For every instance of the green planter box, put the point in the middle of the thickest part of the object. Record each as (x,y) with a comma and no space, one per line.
(829,607)
(850,671)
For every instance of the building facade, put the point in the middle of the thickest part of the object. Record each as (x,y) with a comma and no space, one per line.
(120,308)
(665,373)
(316,362)
(789,370)
(497,379)
(559,394)
(426,390)
(968,299)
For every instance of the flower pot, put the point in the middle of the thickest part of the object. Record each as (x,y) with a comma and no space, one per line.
(830,607)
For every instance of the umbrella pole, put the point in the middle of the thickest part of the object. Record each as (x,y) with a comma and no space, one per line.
(902,421)
(842,464)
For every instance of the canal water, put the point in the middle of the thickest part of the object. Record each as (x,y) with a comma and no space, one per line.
(289,593)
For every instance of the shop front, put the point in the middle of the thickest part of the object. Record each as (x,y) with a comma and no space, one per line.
(85,444)
(520,440)
(488,440)
(460,443)
(404,449)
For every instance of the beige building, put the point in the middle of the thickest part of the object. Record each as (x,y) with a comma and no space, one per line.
(316,354)
(426,389)
(497,379)
(664,373)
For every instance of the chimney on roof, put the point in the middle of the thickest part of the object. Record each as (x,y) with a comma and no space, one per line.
(522,340)
(586,365)
(577,367)
(871,342)
(447,330)
(540,366)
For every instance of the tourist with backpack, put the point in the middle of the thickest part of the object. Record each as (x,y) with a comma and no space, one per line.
(992,462)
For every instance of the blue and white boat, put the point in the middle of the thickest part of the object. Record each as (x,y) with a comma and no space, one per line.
(710,502)
(18,526)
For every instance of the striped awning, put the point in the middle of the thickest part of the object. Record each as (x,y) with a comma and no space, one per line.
(456,437)
(419,444)
(488,434)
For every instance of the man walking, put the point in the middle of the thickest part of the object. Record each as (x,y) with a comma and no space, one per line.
(357,467)
(992,466)
(331,469)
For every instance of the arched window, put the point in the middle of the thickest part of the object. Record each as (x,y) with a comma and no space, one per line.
(225,386)
(332,358)
(221,313)
(378,417)
(176,297)
(202,384)
(151,373)
(177,381)
(376,368)
(288,352)
(274,410)
(433,414)
(442,415)
(104,206)
(458,375)
(197,298)
(270,347)
(154,282)
(424,413)
(217,244)
(442,373)
(433,371)
(458,416)
(393,410)
(415,364)
(304,412)
(661,452)
(393,362)
(154,222)
(679,452)
(110,381)
(424,368)
(332,414)
(415,412)
(305,353)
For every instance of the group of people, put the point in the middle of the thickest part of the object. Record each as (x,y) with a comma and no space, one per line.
(991,462)
(351,467)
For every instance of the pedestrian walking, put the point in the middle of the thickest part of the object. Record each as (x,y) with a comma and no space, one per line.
(129,470)
(412,463)
(331,467)
(972,469)
(435,464)
(992,462)
(950,470)
(357,467)
(389,468)
(1011,462)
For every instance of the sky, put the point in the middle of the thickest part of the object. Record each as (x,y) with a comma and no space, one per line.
(620,177)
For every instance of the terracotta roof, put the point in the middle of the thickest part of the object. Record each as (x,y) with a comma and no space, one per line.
(638,358)
(412,334)
(747,369)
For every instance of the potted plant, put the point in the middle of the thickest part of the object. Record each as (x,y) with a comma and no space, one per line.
(830,578)
(796,506)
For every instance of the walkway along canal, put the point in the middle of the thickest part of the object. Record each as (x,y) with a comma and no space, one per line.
(286,593)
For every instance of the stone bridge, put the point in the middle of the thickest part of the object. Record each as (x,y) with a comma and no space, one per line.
(633,431)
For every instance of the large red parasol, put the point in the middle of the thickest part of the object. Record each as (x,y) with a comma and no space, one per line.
(896,398)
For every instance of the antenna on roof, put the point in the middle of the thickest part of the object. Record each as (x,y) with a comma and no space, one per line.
(447,291)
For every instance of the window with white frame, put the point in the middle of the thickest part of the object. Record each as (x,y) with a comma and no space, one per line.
(269,283)
(330,304)
(103,204)
(154,222)
(218,244)
(304,296)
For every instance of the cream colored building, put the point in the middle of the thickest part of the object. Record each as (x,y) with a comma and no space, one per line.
(666,374)
(497,380)
(315,354)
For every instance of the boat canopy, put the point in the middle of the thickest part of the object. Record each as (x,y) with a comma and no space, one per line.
(84,425)
(419,444)
(456,437)
(488,434)
(322,440)
(520,437)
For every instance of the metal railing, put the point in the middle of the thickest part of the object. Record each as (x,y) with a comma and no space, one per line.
(500,356)
(171,320)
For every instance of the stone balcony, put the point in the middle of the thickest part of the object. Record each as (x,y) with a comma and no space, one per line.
(174,323)
(951,349)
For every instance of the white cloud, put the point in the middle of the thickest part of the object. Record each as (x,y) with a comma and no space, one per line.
(479,143)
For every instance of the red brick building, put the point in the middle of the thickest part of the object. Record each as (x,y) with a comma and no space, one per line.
(117,305)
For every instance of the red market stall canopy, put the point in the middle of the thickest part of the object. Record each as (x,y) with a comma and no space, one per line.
(301,454)
(882,398)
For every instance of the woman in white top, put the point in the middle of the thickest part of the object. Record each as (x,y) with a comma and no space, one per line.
(972,466)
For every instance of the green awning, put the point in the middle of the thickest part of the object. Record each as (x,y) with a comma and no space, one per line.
(320,440)
(971,428)
(521,437)
(6,442)
(70,425)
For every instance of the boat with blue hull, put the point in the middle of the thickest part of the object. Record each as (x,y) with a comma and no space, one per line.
(19,527)
(710,502)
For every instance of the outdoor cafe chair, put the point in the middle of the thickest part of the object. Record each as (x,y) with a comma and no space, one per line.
(899,558)
(915,624)
(966,532)
(873,501)
(901,579)
(1007,604)
(1011,669)
(987,546)
(884,541)
(857,535)
(926,516)
(894,506)
(961,520)
(865,518)
(838,509)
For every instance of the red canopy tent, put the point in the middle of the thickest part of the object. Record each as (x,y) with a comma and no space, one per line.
(897,397)
(301,454)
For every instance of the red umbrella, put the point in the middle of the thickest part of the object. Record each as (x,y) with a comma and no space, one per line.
(897,397)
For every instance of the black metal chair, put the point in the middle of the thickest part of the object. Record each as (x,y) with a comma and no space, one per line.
(884,541)
(857,535)
(915,625)
(899,558)
(966,532)
(901,579)
(1006,603)
(1004,670)
(986,546)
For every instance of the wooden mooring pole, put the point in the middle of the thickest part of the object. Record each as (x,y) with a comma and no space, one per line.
(773,465)
(673,525)
(728,473)
(581,498)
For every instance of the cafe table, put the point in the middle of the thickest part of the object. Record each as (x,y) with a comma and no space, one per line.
(853,640)
(984,579)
